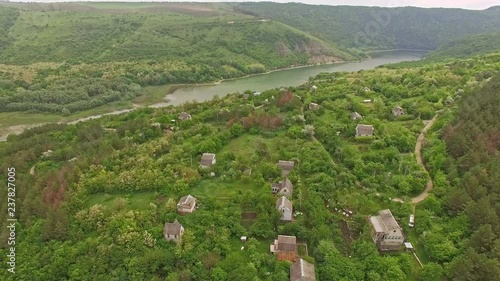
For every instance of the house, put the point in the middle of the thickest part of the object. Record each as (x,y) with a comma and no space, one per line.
(186,205)
(207,160)
(173,231)
(398,111)
(367,101)
(386,232)
(284,206)
(367,89)
(285,248)
(313,105)
(314,88)
(286,167)
(283,187)
(185,116)
(302,270)
(356,116)
(364,130)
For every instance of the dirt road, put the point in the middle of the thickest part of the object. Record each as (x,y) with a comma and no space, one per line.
(420,161)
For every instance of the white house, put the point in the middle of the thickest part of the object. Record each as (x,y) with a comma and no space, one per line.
(284,206)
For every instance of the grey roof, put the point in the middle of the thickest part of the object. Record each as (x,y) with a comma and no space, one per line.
(286,183)
(286,165)
(313,105)
(398,110)
(302,270)
(364,129)
(384,222)
(207,158)
(187,200)
(287,243)
(355,116)
(283,201)
(172,228)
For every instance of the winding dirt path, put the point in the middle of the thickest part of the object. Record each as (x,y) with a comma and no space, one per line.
(420,161)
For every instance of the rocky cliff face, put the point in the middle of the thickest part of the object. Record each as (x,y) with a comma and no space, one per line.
(316,51)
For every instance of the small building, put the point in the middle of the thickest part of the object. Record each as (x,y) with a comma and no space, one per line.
(185,116)
(284,206)
(173,231)
(408,247)
(186,205)
(207,160)
(302,270)
(386,232)
(364,130)
(313,106)
(367,101)
(356,116)
(411,223)
(398,111)
(283,187)
(314,88)
(367,89)
(243,239)
(285,248)
(286,167)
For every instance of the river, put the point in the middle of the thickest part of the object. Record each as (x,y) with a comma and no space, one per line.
(258,83)
(288,77)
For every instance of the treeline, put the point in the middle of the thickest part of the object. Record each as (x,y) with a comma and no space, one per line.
(66,96)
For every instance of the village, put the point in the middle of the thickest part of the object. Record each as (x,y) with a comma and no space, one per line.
(387,235)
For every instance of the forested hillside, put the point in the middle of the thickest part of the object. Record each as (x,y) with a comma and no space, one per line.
(379,28)
(460,224)
(92,198)
(208,35)
(468,46)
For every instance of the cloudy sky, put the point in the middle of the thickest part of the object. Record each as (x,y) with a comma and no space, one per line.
(466,4)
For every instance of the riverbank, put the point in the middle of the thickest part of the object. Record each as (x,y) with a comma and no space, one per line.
(175,94)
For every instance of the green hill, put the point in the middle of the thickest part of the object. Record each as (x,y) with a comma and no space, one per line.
(379,28)
(210,34)
(468,46)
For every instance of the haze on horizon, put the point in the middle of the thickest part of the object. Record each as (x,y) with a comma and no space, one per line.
(465,4)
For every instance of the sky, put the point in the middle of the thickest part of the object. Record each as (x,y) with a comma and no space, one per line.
(466,4)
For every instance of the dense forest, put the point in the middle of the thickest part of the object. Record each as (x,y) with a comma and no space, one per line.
(467,46)
(379,28)
(92,198)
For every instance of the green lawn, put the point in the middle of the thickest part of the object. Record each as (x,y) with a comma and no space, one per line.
(214,188)
(136,201)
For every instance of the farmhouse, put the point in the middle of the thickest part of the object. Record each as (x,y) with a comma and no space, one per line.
(207,160)
(286,167)
(356,116)
(173,231)
(186,204)
(386,232)
(185,116)
(283,187)
(398,111)
(285,248)
(302,270)
(364,130)
(284,206)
